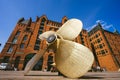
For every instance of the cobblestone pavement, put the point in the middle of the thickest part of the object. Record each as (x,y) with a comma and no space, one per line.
(38,75)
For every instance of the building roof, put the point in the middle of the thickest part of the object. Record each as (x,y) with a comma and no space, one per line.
(25,22)
(116,32)
(96,28)
(112,32)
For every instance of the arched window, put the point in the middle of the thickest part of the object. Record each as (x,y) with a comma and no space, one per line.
(18,33)
(16,37)
(22,46)
(25,38)
(10,49)
(14,40)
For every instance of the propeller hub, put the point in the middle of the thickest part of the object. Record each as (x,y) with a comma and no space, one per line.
(51,38)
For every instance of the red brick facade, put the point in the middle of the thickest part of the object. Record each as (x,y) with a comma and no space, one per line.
(101,42)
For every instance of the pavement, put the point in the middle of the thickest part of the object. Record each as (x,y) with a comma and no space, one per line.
(39,75)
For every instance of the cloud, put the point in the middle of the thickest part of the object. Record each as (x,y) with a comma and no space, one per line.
(99,21)
(103,23)
(90,28)
(107,26)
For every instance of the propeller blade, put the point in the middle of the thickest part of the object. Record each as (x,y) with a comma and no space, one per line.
(33,61)
(45,35)
(71,29)
(73,59)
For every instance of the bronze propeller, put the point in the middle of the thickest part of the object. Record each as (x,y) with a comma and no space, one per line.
(72,59)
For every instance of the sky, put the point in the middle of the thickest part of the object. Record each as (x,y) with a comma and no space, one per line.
(107,12)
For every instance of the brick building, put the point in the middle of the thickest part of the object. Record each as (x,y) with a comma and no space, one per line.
(105,46)
(24,43)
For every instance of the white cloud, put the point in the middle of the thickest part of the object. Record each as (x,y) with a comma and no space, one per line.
(103,23)
(99,21)
(90,28)
(107,26)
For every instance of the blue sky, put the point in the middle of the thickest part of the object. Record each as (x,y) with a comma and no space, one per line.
(89,11)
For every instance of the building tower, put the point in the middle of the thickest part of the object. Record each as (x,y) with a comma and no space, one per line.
(106,47)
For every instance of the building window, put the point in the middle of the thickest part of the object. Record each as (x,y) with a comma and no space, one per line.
(80,34)
(98,40)
(6,59)
(106,51)
(100,46)
(39,32)
(83,43)
(102,52)
(96,35)
(25,38)
(37,44)
(10,49)
(90,39)
(15,37)
(41,26)
(36,47)
(42,23)
(18,33)
(82,38)
(37,41)
(14,40)
(28,29)
(22,46)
